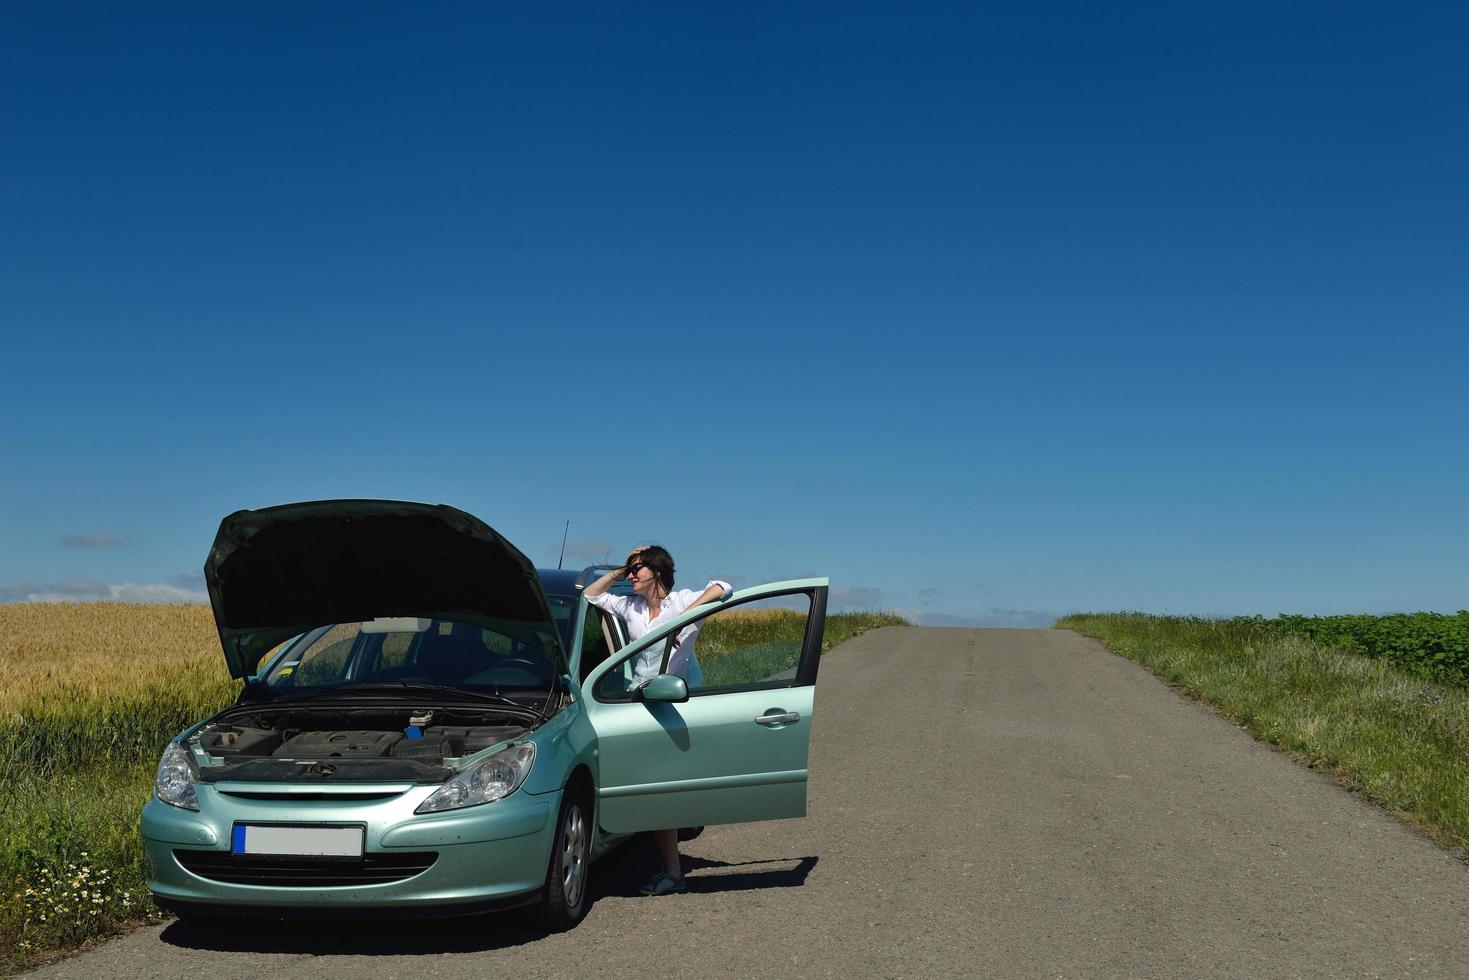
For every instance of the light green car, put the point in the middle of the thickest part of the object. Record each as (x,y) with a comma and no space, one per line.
(430,726)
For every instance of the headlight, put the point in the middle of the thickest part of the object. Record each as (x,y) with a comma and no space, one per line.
(495,778)
(175,782)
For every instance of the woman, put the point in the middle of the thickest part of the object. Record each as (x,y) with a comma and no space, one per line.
(649,570)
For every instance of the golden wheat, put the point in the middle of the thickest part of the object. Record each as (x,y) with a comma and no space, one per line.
(759,615)
(102,650)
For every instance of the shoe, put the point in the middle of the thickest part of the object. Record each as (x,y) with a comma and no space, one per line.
(662,884)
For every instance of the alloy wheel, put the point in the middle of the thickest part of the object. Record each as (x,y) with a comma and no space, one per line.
(574,856)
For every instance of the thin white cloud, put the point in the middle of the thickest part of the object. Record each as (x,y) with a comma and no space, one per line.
(86,590)
(588,551)
(855,597)
(95,539)
(1022,618)
(192,581)
(154,592)
(995,618)
(66,590)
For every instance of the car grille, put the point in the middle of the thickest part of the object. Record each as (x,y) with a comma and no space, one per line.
(304,872)
(369,796)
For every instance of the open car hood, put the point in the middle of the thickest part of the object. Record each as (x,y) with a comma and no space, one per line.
(280,571)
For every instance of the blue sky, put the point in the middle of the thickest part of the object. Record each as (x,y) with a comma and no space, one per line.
(988,312)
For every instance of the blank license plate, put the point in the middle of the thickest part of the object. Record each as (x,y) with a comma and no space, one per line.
(313,841)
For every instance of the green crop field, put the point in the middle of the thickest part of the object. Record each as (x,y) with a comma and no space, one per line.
(1388,725)
(89,695)
(1432,644)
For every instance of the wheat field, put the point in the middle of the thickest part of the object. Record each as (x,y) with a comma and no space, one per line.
(100,650)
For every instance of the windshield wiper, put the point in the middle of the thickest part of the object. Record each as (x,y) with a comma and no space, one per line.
(438,690)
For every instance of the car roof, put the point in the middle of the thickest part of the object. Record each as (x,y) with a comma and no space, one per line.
(559,581)
(563,581)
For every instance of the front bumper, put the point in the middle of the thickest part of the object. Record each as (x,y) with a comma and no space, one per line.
(486,856)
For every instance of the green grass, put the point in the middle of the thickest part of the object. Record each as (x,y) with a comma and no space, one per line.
(90,695)
(1390,734)
(758,662)
(841,627)
(71,858)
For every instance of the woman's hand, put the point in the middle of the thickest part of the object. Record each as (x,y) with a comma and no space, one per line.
(605,582)
(713,593)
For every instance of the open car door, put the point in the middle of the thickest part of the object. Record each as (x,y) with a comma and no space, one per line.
(736,749)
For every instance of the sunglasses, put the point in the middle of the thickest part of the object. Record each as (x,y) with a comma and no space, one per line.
(633,566)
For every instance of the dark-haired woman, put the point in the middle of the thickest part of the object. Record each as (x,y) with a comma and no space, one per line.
(649,570)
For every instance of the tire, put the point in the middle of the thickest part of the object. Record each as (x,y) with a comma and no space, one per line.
(563,900)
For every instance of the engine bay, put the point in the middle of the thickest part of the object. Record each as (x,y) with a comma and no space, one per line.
(377,743)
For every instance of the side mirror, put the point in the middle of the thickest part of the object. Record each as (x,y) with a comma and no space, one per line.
(665,687)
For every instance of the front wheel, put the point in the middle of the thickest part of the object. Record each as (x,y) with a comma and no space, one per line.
(564,897)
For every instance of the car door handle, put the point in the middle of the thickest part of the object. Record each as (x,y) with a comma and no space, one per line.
(781,718)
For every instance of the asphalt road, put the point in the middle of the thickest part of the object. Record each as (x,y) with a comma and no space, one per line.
(983,803)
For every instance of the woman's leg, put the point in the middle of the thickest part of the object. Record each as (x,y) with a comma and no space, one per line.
(667,841)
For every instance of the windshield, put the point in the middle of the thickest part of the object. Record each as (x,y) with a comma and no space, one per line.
(503,658)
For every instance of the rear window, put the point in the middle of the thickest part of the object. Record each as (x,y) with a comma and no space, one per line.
(563,611)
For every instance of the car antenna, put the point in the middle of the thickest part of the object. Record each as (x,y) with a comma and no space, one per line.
(563,546)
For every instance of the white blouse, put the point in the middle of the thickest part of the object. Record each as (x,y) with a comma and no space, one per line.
(639,619)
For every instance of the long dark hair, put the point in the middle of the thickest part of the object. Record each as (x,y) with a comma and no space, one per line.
(657,560)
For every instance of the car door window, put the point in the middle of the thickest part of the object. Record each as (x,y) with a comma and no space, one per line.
(746,646)
(757,644)
(597,641)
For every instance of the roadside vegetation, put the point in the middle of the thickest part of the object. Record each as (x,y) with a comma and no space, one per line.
(841,627)
(1390,723)
(1431,644)
(89,695)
